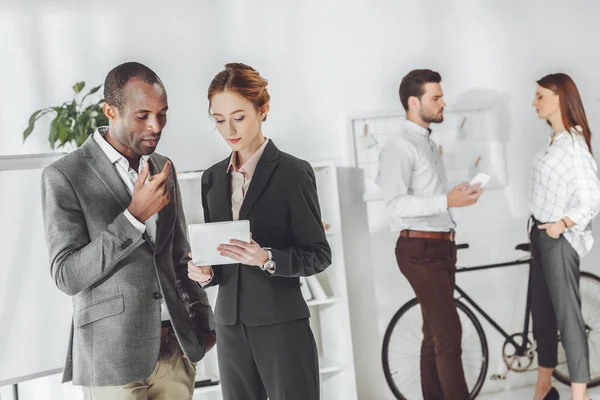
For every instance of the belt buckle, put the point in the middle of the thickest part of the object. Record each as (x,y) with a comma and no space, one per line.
(453,236)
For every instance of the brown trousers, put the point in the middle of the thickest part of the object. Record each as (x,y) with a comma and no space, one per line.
(430,267)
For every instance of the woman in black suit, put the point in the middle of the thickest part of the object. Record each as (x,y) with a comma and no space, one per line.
(266,347)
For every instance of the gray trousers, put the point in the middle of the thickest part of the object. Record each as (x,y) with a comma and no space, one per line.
(277,361)
(556,304)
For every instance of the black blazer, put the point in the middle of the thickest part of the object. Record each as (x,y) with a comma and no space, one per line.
(283,209)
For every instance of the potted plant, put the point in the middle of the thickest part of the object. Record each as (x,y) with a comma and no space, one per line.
(73,122)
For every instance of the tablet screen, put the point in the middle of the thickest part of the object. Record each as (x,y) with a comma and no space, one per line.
(205,238)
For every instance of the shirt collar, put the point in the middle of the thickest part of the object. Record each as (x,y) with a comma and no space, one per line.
(249,166)
(415,128)
(577,130)
(113,155)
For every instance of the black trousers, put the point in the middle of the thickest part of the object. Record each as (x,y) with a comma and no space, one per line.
(277,361)
(556,304)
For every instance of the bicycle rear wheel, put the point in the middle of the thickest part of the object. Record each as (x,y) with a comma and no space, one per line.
(402,347)
(589,287)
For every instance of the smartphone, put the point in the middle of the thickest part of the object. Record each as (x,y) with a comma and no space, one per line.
(480,178)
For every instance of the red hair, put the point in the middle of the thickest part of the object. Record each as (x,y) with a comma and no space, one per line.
(571,106)
(243,80)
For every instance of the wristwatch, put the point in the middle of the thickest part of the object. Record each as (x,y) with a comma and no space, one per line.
(269,266)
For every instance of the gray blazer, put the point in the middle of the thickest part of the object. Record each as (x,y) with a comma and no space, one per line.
(115,275)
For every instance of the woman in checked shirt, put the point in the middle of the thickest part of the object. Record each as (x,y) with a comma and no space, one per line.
(564,198)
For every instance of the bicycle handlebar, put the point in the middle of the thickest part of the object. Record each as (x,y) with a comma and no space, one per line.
(523,247)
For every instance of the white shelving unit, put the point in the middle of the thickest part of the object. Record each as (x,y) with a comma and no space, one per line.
(330,317)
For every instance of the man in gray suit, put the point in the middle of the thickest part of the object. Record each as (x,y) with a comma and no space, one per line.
(115,231)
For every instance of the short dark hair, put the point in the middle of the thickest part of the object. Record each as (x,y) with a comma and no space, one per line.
(118,77)
(412,84)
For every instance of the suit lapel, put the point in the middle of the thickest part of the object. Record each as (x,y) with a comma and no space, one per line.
(107,173)
(264,169)
(222,188)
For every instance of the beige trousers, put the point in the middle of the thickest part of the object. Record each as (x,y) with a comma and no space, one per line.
(172,379)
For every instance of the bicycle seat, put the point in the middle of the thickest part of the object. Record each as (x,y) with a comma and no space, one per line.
(523,246)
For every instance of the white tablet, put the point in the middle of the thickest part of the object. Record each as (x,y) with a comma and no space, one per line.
(205,238)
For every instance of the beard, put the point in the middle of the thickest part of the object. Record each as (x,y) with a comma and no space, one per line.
(430,117)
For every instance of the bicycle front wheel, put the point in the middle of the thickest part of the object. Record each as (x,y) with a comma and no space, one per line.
(401,351)
(589,288)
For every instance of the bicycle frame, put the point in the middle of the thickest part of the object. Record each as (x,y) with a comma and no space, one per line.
(520,348)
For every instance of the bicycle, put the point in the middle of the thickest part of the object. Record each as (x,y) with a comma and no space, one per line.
(403,336)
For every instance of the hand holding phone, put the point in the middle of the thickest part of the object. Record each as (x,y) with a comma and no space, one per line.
(480,178)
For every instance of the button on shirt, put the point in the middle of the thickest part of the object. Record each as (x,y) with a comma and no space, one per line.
(564,183)
(129,176)
(413,181)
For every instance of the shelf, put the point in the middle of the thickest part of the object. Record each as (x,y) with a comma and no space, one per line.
(315,303)
(208,389)
(328,367)
(28,161)
(372,197)
(182,176)
(322,165)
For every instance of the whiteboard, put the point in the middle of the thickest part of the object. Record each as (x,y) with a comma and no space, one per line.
(35,317)
(469,140)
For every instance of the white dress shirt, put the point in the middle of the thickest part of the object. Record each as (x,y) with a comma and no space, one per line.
(129,177)
(564,183)
(413,181)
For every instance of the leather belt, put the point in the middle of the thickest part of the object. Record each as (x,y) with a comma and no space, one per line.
(451,236)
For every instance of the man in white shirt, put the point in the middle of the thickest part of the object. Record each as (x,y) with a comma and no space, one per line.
(419,205)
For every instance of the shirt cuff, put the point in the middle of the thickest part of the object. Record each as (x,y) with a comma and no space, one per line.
(206,283)
(136,224)
(579,219)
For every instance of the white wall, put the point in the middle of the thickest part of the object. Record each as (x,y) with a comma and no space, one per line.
(48,46)
(325,60)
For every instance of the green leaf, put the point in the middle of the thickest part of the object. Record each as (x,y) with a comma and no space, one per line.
(81,130)
(78,87)
(63,134)
(34,117)
(53,137)
(98,106)
(71,109)
(65,114)
(92,91)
